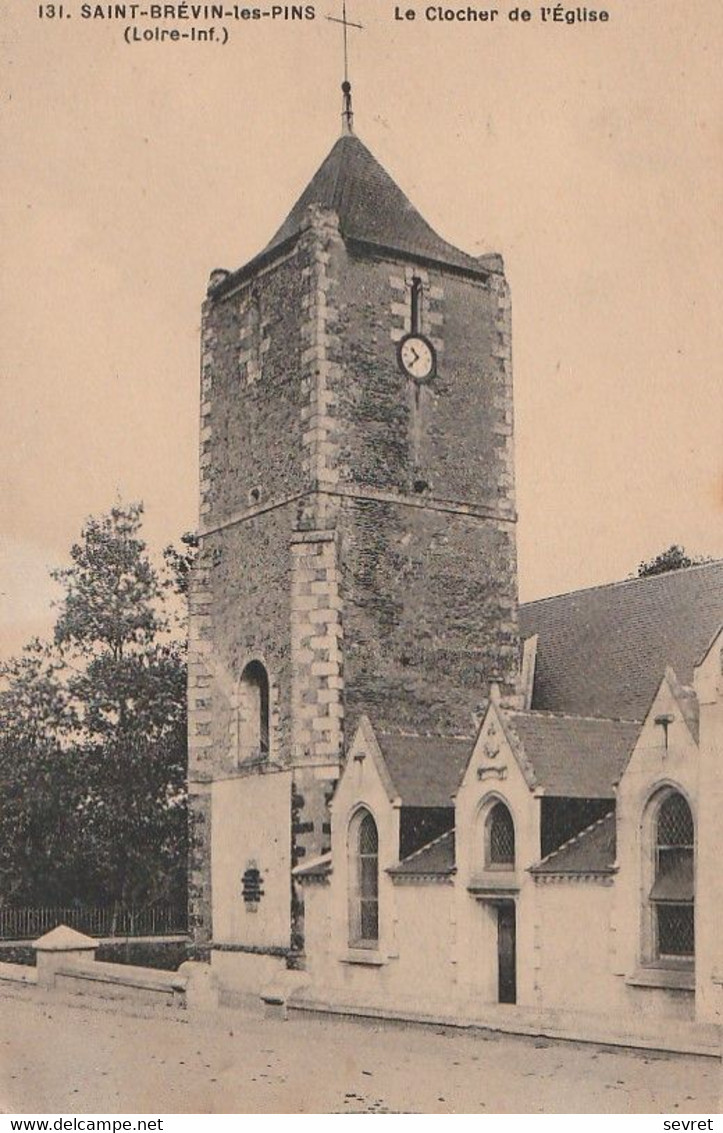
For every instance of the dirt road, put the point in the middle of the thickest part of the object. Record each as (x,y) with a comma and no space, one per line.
(68,1059)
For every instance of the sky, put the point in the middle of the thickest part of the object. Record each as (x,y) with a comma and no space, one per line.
(588,155)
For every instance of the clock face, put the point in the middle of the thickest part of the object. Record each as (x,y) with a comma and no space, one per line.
(416,357)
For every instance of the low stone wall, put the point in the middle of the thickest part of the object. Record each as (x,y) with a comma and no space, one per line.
(122,982)
(17,977)
(66,966)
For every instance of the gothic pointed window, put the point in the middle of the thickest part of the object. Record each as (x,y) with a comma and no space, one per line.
(499,838)
(364,881)
(254,727)
(673,891)
(415,303)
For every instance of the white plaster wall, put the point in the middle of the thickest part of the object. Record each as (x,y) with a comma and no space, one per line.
(573,960)
(244,974)
(251,819)
(317,932)
(419,975)
(426,967)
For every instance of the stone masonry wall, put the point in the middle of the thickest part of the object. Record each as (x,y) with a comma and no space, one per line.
(429,615)
(251,421)
(426,526)
(456,433)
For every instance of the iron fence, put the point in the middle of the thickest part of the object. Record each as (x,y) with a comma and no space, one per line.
(30,923)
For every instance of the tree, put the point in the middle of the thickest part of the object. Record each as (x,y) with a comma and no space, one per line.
(179,563)
(39,791)
(674,558)
(110,692)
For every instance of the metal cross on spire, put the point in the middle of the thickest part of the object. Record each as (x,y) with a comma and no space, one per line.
(347,114)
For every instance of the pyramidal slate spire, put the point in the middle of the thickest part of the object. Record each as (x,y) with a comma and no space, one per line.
(371,207)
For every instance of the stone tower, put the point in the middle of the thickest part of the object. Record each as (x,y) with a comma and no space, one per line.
(358,529)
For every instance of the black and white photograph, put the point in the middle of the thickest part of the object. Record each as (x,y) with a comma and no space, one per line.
(361,592)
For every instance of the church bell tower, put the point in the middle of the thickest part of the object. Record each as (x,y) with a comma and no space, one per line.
(357,529)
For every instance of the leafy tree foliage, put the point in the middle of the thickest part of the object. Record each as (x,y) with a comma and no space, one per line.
(93,735)
(38,791)
(674,558)
(179,563)
(110,587)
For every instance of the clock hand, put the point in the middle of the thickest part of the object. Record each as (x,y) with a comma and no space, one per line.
(414,352)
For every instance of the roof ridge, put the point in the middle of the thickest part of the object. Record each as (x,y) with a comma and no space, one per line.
(535,712)
(427,846)
(423,736)
(650,578)
(339,142)
(575,838)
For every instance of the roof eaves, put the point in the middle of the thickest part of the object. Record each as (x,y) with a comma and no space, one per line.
(536,869)
(263,259)
(315,867)
(421,258)
(423,849)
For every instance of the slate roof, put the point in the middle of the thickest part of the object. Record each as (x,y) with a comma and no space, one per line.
(434,859)
(590,851)
(318,869)
(371,209)
(425,770)
(572,756)
(603,651)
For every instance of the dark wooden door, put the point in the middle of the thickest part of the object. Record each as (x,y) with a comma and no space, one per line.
(506,953)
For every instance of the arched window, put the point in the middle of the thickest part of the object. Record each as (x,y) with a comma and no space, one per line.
(499,838)
(254,712)
(364,881)
(416,292)
(672,894)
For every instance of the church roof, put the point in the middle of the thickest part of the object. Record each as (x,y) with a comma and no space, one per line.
(425,770)
(371,208)
(590,851)
(436,859)
(602,652)
(572,756)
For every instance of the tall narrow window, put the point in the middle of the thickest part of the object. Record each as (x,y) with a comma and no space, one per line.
(254,712)
(252,339)
(364,871)
(672,895)
(499,838)
(416,305)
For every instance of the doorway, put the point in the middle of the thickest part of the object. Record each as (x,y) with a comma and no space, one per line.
(506,952)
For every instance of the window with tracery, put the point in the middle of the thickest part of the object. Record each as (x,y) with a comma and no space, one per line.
(672,895)
(499,838)
(364,878)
